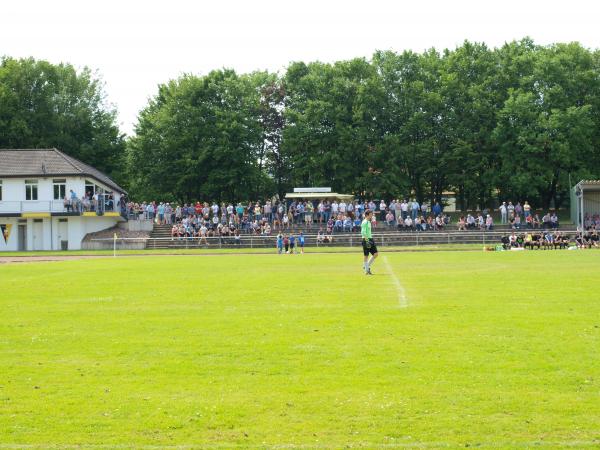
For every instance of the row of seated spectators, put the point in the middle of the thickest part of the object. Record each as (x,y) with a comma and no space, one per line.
(550,240)
(531,222)
(194,226)
(419,223)
(480,221)
(591,221)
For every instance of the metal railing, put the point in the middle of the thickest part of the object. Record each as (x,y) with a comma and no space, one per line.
(33,206)
(398,239)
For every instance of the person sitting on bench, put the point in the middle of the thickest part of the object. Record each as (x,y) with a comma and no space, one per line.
(548,241)
(536,240)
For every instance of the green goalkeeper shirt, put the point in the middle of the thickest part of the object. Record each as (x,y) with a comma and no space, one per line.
(365,229)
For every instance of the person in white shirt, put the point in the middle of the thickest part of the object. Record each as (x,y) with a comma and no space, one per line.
(510,210)
(320,210)
(203,231)
(382,207)
(470,221)
(404,209)
(342,207)
(334,208)
(503,213)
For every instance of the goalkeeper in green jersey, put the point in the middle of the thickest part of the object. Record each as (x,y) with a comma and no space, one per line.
(368,243)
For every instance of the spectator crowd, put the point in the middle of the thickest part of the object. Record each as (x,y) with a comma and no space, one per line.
(203,219)
(94,202)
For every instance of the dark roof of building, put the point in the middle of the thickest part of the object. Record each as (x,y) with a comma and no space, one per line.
(48,163)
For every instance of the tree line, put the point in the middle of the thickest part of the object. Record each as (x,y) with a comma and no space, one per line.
(521,121)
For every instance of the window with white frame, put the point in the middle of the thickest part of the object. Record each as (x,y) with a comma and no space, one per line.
(60,189)
(31,189)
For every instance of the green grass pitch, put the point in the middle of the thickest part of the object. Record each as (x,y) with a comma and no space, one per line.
(234,351)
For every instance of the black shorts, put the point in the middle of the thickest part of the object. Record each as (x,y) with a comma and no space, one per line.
(369,247)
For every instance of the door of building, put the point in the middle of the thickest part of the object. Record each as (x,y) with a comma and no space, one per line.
(63,234)
(22,238)
(38,234)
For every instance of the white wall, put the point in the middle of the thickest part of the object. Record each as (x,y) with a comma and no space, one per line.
(77,228)
(13,189)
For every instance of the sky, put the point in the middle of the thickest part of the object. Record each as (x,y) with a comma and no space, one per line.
(137,45)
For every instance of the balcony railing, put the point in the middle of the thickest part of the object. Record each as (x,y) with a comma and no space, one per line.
(53,206)
(31,206)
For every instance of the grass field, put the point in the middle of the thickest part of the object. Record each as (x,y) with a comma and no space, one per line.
(438,349)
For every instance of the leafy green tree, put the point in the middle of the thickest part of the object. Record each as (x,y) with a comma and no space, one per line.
(43,105)
(471,97)
(545,129)
(272,160)
(200,137)
(326,136)
(515,123)
(412,120)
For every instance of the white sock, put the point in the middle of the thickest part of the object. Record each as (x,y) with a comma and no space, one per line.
(371,259)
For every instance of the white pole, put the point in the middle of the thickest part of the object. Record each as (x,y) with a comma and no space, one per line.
(115,245)
(581,211)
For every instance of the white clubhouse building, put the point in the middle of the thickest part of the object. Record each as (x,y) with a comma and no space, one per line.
(50,201)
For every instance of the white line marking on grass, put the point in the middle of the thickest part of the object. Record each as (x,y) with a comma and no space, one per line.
(402,299)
